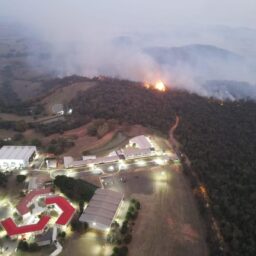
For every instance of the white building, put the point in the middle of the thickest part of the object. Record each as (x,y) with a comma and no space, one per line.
(16,157)
(131,153)
(141,142)
(89,157)
(102,209)
(68,160)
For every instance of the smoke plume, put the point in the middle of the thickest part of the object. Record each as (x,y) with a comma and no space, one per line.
(177,42)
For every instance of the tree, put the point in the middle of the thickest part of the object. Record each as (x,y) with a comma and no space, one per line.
(23,245)
(36,142)
(3,179)
(127,238)
(20,178)
(120,251)
(21,126)
(33,247)
(81,206)
(75,189)
(18,137)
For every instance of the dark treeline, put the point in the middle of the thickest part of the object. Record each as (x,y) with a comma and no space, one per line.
(218,137)
(221,143)
(129,102)
(75,189)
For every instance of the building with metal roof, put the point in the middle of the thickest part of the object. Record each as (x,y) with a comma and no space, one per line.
(131,153)
(102,209)
(16,157)
(141,142)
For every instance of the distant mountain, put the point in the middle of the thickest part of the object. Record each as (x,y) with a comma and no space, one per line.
(232,90)
(196,54)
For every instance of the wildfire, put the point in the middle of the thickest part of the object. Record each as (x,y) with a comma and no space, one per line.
(159,86)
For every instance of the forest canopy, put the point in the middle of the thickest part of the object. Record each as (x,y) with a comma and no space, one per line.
(218,137)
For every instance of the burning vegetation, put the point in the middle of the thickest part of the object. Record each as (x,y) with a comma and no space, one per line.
(159,86)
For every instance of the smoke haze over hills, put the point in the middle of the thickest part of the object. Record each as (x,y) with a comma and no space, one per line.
(180,43)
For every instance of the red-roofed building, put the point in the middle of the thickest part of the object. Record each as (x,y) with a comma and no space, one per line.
(13,230)
(23,206)
(60,202)
(67,209)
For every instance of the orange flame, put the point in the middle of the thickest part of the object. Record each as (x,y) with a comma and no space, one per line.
(160,86)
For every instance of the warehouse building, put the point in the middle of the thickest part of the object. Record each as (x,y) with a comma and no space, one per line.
(131,153)
(141,142)
(16,157)
(139,146)
(69,162)
(102,209)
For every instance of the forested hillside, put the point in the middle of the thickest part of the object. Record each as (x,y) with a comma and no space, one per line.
(219,139)
(126,101)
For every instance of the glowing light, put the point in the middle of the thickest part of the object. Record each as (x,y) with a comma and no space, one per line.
(203,190)
(111,168)
(147,85)
(160,86)
(97,171)
(24,172)
(122,165)
(141,163)
(159,161)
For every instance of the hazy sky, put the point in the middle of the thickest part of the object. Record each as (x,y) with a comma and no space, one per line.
(80,33)
(127,15)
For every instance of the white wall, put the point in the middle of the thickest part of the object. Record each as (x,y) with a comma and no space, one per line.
(12,164)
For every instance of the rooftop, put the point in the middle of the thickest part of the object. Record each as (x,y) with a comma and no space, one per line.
(67,209)
(16,152)
(98,160)
(135,151)
(141,142)
(12,229)
(46,236)
(102,207)
(22,207)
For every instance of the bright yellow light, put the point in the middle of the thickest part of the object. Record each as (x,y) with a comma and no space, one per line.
(159,161)
(160,86)
(141,163)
